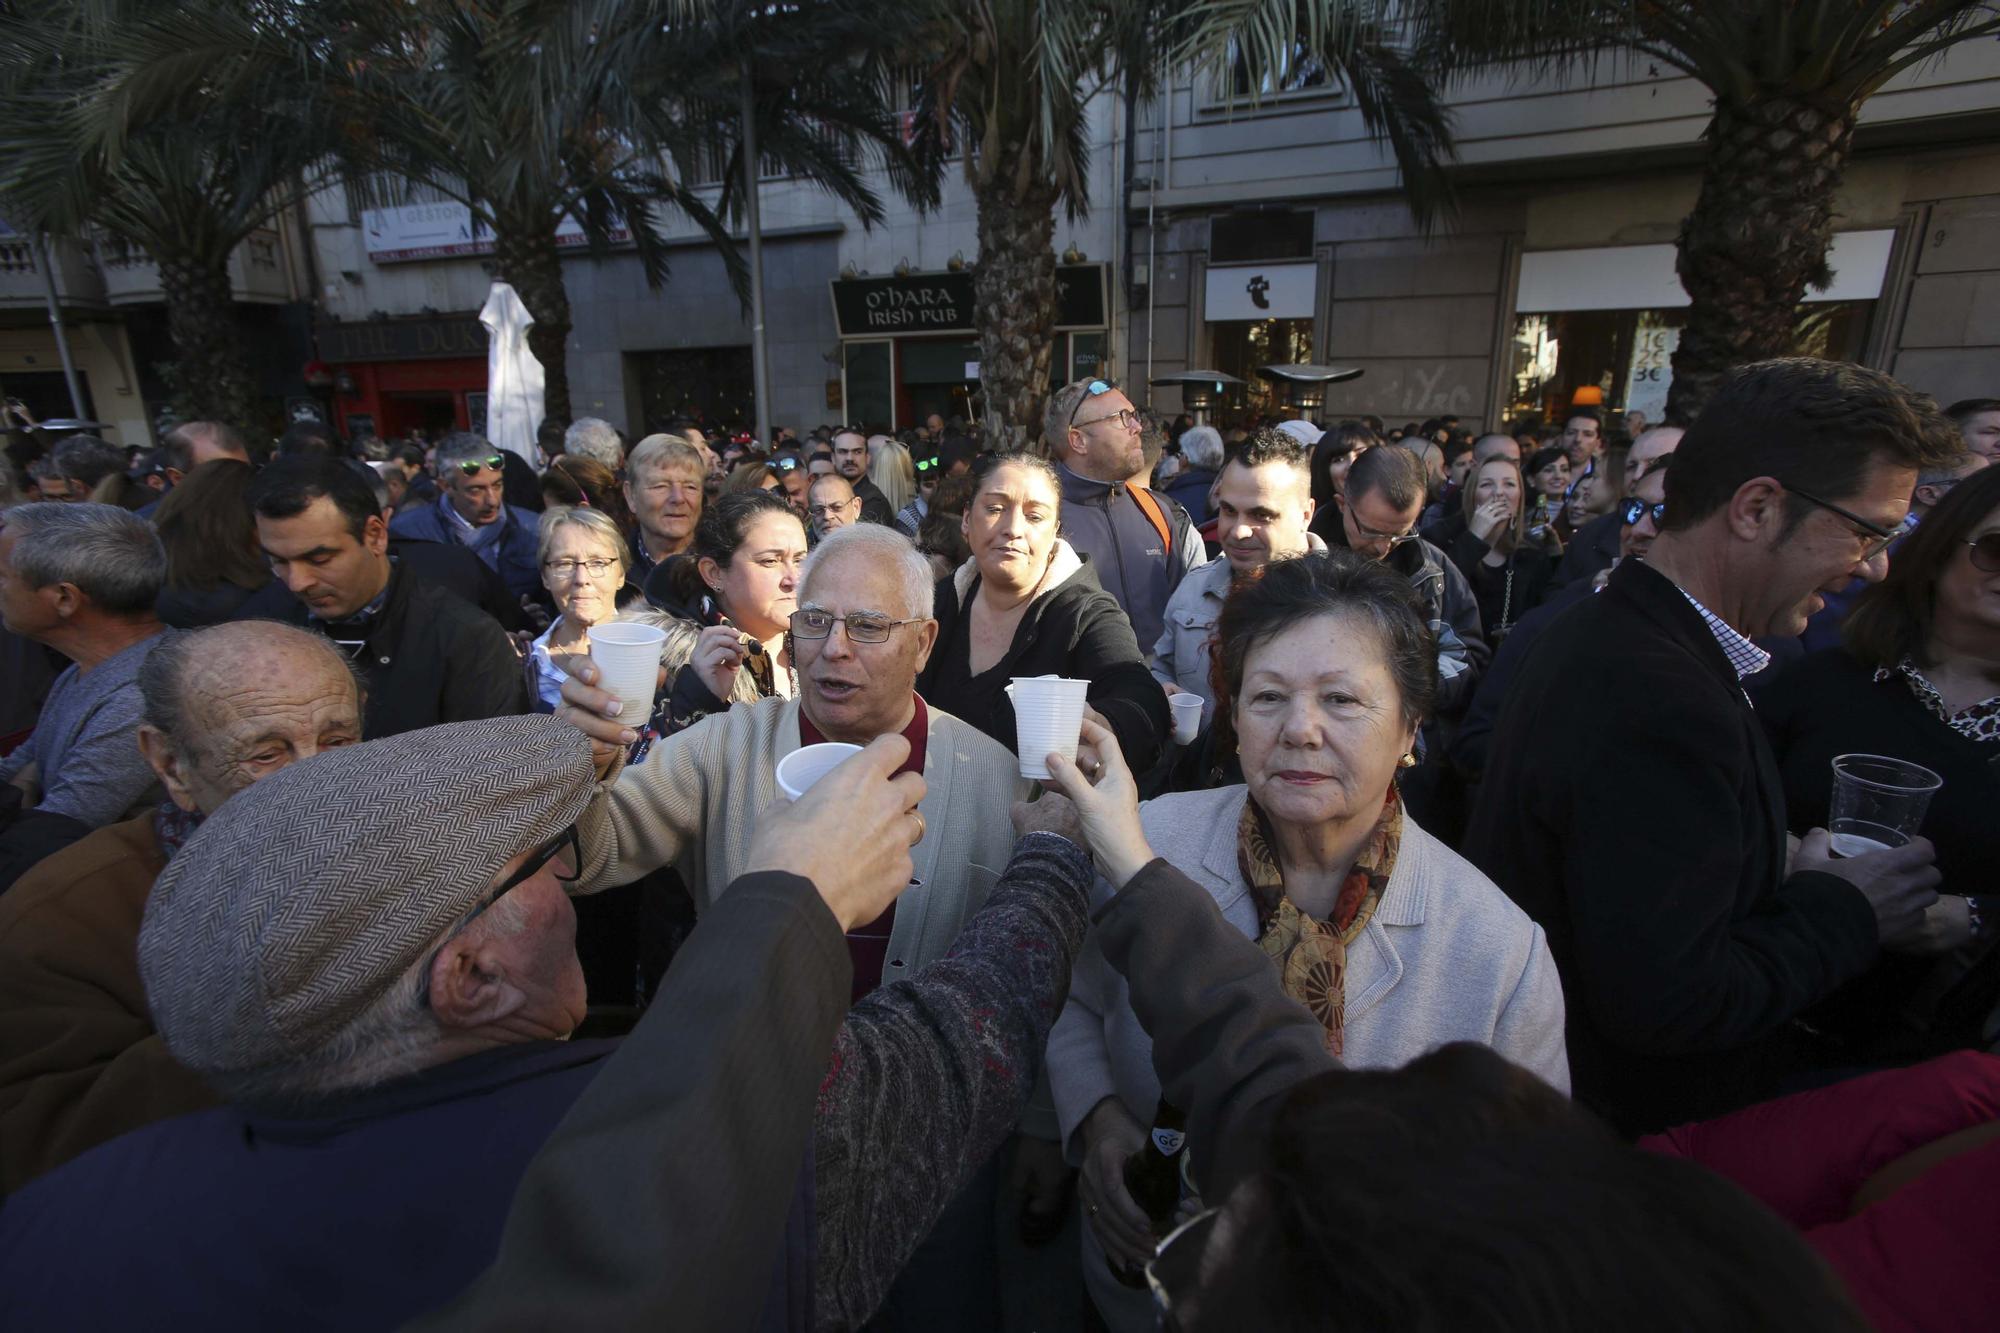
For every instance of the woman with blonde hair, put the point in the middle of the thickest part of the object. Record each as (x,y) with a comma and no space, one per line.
(893,472)
(584,561)
(1508,569)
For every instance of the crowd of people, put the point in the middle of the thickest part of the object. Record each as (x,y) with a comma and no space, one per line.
(1482,961)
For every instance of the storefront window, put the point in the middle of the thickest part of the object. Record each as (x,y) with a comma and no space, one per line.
(939,375)
(1627,355)
(871,384)
(1243,345)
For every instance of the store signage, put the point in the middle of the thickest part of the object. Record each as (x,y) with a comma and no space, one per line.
(1262,291)
(943,302)
(1651,372)
(443,231)
(919,303)
(403,339)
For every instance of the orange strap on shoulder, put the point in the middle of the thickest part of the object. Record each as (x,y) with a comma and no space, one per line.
(1154,515)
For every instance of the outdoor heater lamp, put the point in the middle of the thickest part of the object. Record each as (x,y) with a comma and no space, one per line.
(1305,386)
(1199,390)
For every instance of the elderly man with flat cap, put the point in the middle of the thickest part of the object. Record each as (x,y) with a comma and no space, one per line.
(371,957)
(79,1059)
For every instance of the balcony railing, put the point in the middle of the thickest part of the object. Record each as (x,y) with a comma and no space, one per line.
(79,283)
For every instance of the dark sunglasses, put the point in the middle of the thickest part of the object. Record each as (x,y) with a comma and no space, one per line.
(1094,389)
(1986,552)
(1638,509)
(785,464)
(472,467)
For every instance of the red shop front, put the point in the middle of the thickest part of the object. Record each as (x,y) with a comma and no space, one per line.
(395,376)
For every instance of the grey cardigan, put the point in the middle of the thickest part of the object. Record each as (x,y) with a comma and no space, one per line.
(1447,957)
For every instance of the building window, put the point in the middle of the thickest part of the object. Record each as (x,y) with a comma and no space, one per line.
(1243,345)
(1627,355)
(1301,75)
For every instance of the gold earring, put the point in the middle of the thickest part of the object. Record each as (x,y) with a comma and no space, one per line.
(1407,761)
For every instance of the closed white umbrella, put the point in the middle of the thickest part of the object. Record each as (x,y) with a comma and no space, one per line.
(513,376)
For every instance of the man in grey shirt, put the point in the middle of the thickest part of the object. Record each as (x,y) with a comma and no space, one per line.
(80,578)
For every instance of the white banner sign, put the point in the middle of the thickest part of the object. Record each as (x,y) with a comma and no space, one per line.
(1651,372)
(441,231)
(1262,291)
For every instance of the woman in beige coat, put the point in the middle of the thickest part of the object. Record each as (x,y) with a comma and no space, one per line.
(1393,941)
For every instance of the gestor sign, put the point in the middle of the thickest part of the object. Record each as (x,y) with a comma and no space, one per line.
(943,302)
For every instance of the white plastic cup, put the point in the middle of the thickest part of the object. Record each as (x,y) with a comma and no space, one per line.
(1048,719)
(627,656)
(1878,802)
(800,769)
(1186,708)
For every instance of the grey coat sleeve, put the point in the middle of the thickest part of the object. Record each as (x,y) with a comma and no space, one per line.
(662,1197)
(930,1074)
(1228,1044)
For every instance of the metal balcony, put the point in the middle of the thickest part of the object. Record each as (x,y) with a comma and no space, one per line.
(79,282)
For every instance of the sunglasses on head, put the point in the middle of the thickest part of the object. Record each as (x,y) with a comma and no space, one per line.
(1094,389)
(785,464)
(926,464)
(1637,509)
(472,467)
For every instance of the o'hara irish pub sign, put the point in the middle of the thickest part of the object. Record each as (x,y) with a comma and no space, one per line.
(922,303)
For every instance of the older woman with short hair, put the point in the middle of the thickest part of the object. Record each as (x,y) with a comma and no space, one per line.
(1394,942)
(1201,458)
(583,558)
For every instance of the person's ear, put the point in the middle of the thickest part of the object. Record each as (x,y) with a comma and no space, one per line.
(1926,495)
(469,984)
(927,634)
(711,573)
(375,534)
(65,599)
(1757,509)
(161,757)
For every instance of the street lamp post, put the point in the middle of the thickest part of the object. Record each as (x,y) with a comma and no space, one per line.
(760,357)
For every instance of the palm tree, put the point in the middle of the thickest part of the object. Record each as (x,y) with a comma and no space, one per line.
(1013,80)
(533,111)
(1789,78)
(185,184)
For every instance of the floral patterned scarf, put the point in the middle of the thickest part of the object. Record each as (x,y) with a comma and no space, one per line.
(1312,955)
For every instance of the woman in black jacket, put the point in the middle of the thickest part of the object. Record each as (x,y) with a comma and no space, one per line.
(1917,680)
(1506,566)
(1026,604)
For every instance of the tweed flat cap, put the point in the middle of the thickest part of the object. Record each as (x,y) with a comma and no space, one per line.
(298,903)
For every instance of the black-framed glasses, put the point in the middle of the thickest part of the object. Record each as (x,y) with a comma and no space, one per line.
(472,467)
(1094,389)
(1879,537)
(567,569)
(566,854)
(1985,552)
(1638,509)
(813,622)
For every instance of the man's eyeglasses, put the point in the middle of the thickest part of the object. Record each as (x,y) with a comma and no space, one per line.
(565,853)
(1367,533)
(472,467)
(1638,509)
(1879,537)
(1176,1264)
(829,511)
(1097,389)
(813,622)
(1986,552)
(567,569)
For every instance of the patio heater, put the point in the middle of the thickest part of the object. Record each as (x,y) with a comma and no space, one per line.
(1200,390)
(1305,386)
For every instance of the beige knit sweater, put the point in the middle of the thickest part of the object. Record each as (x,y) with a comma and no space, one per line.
(695,800)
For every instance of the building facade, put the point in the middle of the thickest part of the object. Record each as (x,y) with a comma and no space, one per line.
(1275,234)
(872,326)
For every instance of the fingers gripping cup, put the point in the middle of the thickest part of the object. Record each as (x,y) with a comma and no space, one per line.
(1878,802)
(1048,718)
(628,660)
(1186,708)
(800,769)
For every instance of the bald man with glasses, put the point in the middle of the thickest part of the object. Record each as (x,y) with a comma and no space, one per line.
(1139,542)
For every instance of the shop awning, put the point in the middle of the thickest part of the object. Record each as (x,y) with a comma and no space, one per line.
(1642,277)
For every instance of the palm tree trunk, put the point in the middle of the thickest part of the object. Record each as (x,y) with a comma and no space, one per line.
(531,263)
(1014,291)
(1757,237)
(211,379)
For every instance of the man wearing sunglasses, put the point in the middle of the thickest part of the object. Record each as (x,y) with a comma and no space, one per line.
(471,512)
(1139,543)
(1654,852)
